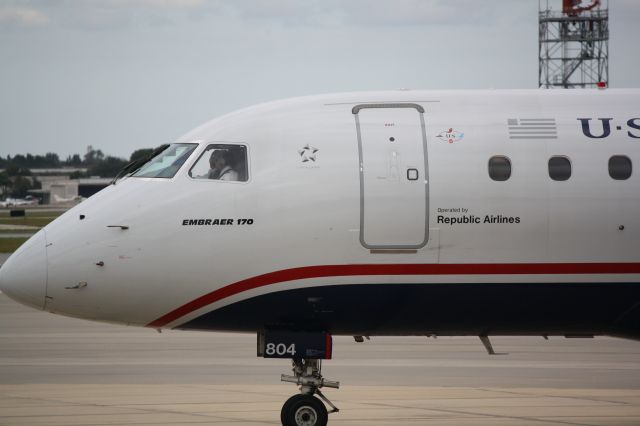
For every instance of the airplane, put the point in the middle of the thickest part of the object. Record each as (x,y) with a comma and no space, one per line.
(61,200)
(395,213)
(29,200)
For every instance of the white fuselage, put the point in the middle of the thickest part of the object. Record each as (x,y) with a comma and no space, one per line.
(362,189)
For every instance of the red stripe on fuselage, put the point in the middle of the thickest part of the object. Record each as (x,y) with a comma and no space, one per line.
(410,269)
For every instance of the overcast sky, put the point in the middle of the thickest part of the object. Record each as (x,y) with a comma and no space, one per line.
(127,74)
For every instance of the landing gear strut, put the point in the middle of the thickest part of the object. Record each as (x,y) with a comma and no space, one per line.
(306,351)
(305,409)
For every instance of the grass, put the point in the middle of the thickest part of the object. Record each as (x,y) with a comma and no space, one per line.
(4,213)
(32,218)
(26,232)
(27,221)
(9,245)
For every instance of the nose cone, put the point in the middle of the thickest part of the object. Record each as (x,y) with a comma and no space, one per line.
(23,277)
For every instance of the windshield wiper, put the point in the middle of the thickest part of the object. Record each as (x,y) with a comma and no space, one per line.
(134,166)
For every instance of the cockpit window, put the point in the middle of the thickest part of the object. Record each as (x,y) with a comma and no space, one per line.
(222,162)
(167,163)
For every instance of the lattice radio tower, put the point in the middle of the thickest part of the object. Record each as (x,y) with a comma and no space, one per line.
(573,43)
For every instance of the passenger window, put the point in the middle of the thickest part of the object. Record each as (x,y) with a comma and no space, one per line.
(222,162)
(620,167)
(559,168)
(499,168)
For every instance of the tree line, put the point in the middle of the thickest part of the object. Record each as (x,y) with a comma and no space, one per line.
(16,179)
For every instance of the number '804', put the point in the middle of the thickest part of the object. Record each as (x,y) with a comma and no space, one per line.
(280,349)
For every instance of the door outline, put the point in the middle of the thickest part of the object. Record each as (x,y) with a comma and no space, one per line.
(355,110)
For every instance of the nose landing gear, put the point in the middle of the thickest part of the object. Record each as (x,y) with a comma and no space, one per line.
(305,409)
(306,351)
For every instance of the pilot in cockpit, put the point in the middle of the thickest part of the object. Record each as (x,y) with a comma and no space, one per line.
(221,166)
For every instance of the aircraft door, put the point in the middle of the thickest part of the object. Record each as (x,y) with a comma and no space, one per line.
(394,191)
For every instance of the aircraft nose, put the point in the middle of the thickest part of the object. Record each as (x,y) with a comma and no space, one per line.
(23,277)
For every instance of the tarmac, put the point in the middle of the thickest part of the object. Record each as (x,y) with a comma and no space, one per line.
(62,371)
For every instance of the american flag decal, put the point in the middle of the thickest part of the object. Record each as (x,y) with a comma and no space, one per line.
(532,128)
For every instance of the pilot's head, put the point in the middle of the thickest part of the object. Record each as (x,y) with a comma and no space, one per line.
(219,158)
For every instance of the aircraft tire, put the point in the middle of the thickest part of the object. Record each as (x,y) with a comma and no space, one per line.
(304,410)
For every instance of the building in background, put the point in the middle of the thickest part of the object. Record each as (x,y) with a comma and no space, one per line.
(89,186)
(59,188)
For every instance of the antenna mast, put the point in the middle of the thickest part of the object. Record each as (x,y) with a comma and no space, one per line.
(573,46)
